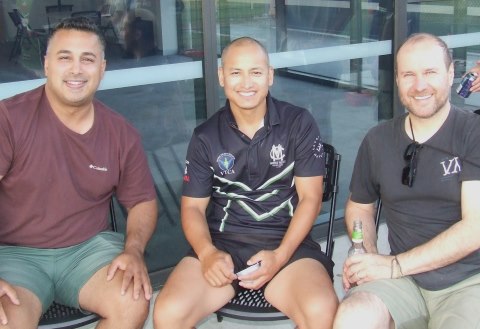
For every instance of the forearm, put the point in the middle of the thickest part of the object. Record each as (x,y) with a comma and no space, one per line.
(451,245)
(141,222)
(455,243)
(196,231)
(366,213)
(301,224)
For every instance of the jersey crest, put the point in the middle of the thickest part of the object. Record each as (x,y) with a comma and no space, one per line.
(277,156)
(226,162)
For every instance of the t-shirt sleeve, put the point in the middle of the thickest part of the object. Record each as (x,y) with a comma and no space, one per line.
(136,183)
(198,175)
(471,162)
(309,153)
(363,187)
(6,142)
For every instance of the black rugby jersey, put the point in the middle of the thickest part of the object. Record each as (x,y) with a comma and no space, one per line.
(250,181)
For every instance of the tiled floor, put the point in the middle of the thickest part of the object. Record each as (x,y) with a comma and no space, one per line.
(342,243)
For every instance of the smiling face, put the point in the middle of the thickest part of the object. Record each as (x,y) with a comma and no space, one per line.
(245,76)
(423,78)
(74,67)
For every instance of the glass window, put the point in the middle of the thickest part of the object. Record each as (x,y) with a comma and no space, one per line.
(457,22)
(154,78)
(330,57)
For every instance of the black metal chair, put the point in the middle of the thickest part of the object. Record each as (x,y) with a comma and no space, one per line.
(35,38)
(59,316)
(377,214)
(56,13)
(251,304)
(106,24)
(93,15)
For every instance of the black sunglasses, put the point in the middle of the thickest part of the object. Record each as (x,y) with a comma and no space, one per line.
(410,170)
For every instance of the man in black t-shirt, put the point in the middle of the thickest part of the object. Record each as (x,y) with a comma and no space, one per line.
(252,190)
(425,167)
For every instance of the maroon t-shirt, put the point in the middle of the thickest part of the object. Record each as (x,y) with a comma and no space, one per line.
(57,184)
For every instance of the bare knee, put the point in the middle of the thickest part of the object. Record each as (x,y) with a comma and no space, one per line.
(12,324)
(136,309)
(362,310)
(19,321)
(316,312)
(162,312)
(169,313)
(23,316)
(125,309)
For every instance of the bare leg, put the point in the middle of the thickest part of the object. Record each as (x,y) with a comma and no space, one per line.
(187,298)
(117,312)
(363,310)
(25,315)
(304,292)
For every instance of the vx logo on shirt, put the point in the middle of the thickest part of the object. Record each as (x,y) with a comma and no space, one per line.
(451,166)
(226,161)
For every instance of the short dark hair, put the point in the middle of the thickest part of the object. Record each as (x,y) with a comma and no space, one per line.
(245,40)
(79,23)
(417,37)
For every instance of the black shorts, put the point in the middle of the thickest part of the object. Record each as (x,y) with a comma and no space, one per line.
(241,247)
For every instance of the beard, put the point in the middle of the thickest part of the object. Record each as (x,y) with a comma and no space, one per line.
(426,111)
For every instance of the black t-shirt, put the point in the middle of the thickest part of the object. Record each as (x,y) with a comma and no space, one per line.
(251,181)
(417,214)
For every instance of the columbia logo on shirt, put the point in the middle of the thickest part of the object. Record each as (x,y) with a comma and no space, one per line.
(97,168)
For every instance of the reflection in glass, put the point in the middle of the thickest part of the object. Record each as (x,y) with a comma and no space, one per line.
(328,59)
(457,22)
(333,58)
(147,44)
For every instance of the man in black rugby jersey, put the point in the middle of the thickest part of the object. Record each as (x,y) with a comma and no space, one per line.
(252,191)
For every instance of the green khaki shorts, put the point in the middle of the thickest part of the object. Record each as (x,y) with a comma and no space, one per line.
(412,307)
(58,274)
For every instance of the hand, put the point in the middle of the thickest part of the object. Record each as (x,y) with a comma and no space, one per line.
(134,268)
(7,290)
(217,268)
(271,264)
(359,269)
(476,83)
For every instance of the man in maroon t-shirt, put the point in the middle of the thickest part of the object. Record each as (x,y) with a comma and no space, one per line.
(63,155)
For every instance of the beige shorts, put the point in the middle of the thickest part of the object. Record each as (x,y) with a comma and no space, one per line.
(411,307)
